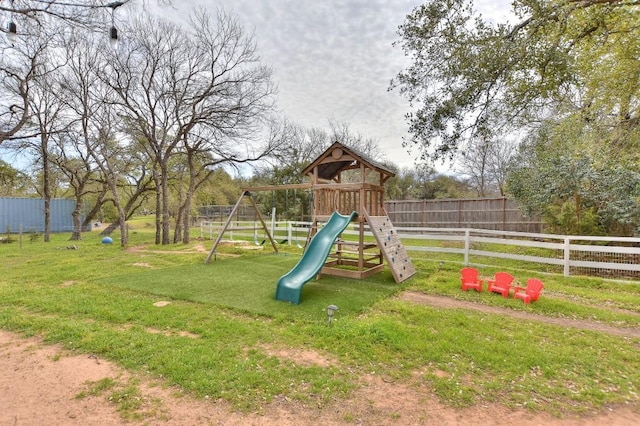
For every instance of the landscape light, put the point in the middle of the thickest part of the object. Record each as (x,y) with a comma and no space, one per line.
(331,310)
(12,28)
(12,32)
(113,37)
(113,32)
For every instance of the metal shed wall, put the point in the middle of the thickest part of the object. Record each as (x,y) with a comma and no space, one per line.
(29,213)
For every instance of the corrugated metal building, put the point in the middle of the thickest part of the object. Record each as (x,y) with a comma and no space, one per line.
(28,213)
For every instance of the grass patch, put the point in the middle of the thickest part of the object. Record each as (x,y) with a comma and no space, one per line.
(211,341)
(248,284)
(97,388)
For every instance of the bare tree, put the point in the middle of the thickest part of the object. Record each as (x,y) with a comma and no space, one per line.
(205,149)
(28,19)
(41,112)
(93,152)
(298,146)
(474,165)
(74,89)
(484,161)
(501,155)
(21,67)
(341,132)
(81,173)
(169,81)
(86,14)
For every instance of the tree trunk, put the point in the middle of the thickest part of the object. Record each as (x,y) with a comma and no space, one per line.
(164,180)
(158,212)
(94,210)
(177,233)
(186,220)
(122,221)
(76,234)
(112,180)
(47,217)
(110,228)
(46,190)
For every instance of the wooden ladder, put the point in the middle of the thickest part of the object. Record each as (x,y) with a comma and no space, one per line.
(391,247)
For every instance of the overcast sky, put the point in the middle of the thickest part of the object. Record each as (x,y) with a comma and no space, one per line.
(334,59)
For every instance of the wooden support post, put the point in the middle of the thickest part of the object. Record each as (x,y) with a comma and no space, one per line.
(224,228)
(230,219)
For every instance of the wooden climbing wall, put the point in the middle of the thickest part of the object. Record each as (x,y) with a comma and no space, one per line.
(391,247)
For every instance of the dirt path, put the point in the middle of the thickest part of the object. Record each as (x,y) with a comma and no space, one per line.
(447,302)
(39,385)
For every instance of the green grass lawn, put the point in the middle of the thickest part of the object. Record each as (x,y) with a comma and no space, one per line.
(216,337)
(248,284)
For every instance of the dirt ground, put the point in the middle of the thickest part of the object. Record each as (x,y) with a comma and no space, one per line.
(40,384)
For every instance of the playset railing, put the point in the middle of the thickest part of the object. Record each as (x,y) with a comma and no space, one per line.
(346,198)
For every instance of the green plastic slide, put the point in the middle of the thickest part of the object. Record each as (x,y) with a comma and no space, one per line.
(290,285)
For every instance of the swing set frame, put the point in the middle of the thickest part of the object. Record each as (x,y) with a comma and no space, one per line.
(344,181)
(248,192)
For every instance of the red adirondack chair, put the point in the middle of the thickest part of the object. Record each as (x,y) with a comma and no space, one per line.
(501,283)
(469,278)
(530,292)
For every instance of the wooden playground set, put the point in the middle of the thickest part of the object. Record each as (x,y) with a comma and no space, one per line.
(347,187)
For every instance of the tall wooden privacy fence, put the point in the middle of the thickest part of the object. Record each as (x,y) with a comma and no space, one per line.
(500,214)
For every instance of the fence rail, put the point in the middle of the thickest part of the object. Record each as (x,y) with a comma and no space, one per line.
(289,232)
(576,255)
(612,257)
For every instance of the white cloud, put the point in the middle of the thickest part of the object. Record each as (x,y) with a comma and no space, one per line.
(333,59)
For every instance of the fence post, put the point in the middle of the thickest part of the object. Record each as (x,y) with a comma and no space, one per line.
(467,245)
(504,213)
(567,255)
(273,221)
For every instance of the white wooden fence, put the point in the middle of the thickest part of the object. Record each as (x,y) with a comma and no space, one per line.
(615,257)
(576,255)
(289,232)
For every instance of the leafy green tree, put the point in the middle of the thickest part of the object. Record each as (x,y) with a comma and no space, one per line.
(577,189)
(13,182)
(444,186)
(566,73)
(468,74)
(219,189)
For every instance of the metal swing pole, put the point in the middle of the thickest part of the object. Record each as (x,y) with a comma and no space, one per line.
(295,199)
